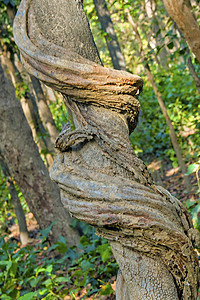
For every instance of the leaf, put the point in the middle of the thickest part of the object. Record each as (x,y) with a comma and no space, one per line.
(170,45)
(13,269)
(45,232)
(6,297)
(84,241)
(86,265)
(192,168)
(62,279)
(107,290)
(28,296)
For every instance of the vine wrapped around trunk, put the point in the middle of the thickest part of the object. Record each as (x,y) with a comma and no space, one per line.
(101,180)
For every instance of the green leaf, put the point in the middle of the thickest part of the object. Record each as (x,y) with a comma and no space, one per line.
(45,232)
(86,265)
(192,168)
(62,279)
(47,282)
(170,45)
(6,297)
(13,269)
(107,290)
(28,296)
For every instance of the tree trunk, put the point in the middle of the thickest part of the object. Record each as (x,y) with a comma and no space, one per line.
(193,73)
(27,168)
(181,12)
(102,181)
(116,55)
(23,231)
(162,106)
(30,109)
(151,7)
(44,111)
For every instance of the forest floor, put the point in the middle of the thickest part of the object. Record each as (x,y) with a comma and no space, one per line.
(164,174)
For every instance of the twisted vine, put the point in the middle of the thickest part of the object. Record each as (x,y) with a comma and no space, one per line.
(149,230)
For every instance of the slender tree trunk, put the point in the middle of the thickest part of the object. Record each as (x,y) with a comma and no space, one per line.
(44,110)
(23,231)
(27,168)
(151,7)
(111,38)
(162,106)
(193,73)
(181,12)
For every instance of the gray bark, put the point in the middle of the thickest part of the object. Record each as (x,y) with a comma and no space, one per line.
(27,168)
(102,181)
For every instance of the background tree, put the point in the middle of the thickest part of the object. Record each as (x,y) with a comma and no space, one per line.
(181,13)
(26,166)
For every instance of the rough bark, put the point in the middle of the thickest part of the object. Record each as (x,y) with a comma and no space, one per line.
(181,12)
(173,136)
(19,212)
(116,55)
(102,181)
(27,168)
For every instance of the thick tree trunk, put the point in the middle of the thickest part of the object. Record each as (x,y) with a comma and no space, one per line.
(102,181)
(23,231)
(163,108)
(116,55)
(181,12)
(27,168)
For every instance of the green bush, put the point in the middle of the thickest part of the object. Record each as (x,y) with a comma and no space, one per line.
(51,272)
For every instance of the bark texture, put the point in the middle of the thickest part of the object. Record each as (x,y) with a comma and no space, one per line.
(181,12)
(26,166)
(102,181)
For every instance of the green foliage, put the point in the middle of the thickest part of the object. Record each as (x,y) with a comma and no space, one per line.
(52,272)
(182,102)
(59,112)
(192,204)
(7,214)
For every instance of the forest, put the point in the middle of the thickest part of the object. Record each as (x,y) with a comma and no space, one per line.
(48,246)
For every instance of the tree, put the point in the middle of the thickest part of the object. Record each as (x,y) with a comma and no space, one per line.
(110,35)
(26,166)
(102,181)
(181,13)
(162,104)
(23,231)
